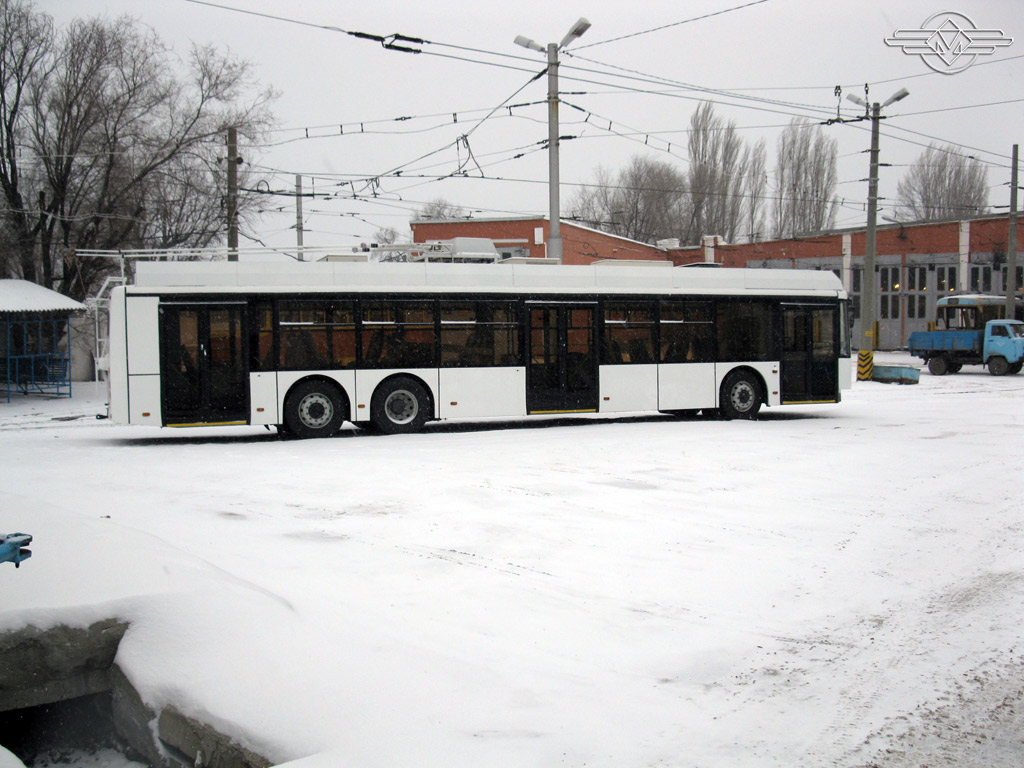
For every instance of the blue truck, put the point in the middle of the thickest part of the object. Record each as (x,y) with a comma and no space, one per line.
(971,330)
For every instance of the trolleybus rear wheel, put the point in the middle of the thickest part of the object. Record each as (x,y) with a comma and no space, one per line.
(400,405)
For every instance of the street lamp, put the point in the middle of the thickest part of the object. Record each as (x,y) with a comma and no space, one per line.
(868,312)
(552,49)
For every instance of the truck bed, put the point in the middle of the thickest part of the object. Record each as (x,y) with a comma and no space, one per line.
(923,342)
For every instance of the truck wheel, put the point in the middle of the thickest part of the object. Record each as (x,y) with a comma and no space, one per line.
(998,366)
(1015,368)
(938,366)
(955,367)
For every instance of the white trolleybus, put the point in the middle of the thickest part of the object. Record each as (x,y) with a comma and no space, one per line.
(308,346)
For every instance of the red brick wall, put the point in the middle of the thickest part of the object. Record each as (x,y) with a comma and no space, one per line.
(583,246)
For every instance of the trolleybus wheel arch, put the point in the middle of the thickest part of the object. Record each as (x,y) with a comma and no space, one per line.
(314,408)
(400,404)
(740,397)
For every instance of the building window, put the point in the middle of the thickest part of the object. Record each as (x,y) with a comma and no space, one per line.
(1019,284)
(945,279)
(917,307)
(981,279)
(917,278)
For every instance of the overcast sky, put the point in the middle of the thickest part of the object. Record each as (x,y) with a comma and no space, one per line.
(632,95)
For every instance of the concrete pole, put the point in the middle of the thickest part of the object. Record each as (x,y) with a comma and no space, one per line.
(298,214)
(554,213)
(232,207)
(868,311)
(1011,246)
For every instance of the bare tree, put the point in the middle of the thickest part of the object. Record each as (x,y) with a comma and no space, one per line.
(716,178)
(25,41)
(942,183)
(805,199)
(441,210)
(643,202)
(107,146)
(385,236)
(755,186)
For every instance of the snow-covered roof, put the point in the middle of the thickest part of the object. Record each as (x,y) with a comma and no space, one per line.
(18,296)
(219,276)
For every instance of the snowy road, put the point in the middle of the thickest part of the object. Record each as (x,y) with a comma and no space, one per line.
(828,586)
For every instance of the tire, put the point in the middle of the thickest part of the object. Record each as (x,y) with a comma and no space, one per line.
(998,366)
(740,397)
(313,408)
(1015,368)
(938,366)
(955,367)
(400,405)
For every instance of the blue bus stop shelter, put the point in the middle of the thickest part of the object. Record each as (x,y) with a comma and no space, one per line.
(35,344)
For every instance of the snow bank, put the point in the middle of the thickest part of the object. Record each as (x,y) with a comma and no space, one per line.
(610,593)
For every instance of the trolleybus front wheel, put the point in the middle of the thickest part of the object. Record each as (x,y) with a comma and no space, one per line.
(740,396)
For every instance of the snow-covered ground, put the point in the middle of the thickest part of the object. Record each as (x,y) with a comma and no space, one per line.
(830,585)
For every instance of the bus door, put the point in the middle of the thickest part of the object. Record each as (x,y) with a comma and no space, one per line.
(561,374)
(810,352)
(204,368)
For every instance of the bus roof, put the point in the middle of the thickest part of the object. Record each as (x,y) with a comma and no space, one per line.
(279,277)
(974,300)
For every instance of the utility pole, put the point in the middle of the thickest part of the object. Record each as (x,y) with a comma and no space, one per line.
(554,204)
(552,49)
(868,284)
(1011,246)
(232,206)
(298,214)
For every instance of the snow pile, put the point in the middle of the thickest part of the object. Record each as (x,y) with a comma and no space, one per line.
(797,590)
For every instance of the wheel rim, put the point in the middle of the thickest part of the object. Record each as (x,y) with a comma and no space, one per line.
(742,396)
(401,407)
(316,410)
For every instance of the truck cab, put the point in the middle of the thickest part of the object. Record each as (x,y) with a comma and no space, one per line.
(1003,350)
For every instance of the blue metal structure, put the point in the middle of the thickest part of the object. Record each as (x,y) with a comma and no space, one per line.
(12,548)
(30,355)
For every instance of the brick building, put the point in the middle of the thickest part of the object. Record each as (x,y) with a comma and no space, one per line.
(915,264)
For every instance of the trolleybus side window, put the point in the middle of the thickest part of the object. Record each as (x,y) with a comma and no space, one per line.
(477,334)
(398,334)
(261,341)
(317,334)
(629,333)
(745,330)
(687,332)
